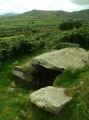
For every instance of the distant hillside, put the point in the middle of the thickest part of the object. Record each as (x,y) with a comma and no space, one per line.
(41,14)
(9,14)
(47,15)
(83,14)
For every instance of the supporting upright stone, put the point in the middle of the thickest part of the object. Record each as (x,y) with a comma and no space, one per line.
(22,73)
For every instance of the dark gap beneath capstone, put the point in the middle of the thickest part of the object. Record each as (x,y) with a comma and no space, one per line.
(45,77)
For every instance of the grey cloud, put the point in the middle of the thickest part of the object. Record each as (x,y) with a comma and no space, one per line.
(80,2)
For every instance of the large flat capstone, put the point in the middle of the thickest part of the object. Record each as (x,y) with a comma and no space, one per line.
(62,59)
(50,98)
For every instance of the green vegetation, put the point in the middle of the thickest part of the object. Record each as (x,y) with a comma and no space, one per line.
(71,77)
(80,36)
(70,25)
(13,103)
(77,82)
(24,36)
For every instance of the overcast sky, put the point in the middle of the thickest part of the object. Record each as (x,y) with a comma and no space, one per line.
(20,6)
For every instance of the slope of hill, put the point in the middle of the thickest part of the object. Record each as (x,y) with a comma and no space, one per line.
(83,14)
(9,14)
(46,14)
(41,14)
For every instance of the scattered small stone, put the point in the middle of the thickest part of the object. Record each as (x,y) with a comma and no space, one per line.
(11,89)
(16,118)
(81,82)
(20,95)
(13,84)
(23,113)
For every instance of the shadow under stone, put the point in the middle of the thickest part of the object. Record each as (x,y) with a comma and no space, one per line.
(45,77)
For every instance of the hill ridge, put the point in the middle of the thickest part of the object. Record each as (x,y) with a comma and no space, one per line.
(58,14)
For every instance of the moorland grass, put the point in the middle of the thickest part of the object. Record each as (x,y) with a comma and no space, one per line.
(13,103)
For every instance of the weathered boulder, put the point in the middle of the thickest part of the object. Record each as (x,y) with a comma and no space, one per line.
(62,59)
(50,99)
(48,65)
(22,73)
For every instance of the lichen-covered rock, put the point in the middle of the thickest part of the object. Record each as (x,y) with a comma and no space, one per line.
(62,59)
(22,73)
(50,98)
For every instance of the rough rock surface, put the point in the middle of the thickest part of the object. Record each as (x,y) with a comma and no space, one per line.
(62,59)
(22,73)
(50,99)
